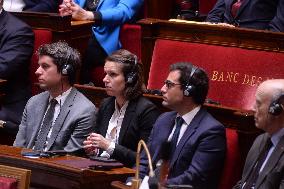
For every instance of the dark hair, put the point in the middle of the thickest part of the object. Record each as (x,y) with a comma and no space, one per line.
(199,79)
(62,54)
(131,68)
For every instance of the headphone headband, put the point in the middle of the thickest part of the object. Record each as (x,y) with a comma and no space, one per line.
(190,89)
(131,77)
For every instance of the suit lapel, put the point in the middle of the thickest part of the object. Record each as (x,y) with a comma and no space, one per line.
(229,7)
(254,156)
(3,21)
(100,4)
(187,134)
(107,113)
(37,120)
(244,4)
(272,161)
(61,117)
(167,127)
(129,115)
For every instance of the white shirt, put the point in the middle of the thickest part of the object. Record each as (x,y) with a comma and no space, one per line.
(60,101)
(275,138)
(188,117)
(114,126)
(14,5)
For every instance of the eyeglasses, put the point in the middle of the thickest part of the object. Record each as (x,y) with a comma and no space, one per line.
(169,84)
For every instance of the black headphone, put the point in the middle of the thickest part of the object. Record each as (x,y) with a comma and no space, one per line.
(189,89)
(132,76)
(276,106)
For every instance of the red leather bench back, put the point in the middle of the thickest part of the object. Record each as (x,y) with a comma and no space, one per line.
(205,6)
(130,38)
(232,167)
(234,73)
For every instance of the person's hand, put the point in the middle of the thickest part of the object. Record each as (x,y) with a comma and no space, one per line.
(65,8)
(98,141)
(79,13)
(90,149)
(68,7)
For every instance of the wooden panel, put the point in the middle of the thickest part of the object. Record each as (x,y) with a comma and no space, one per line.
(76,33)
(153,29)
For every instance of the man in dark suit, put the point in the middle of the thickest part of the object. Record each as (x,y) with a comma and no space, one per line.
(62,117)
(16,48)
(264,166)
(256,14)
(197,141)
(42,5)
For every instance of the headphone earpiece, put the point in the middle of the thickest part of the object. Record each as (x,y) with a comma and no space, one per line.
(67,70)
(189,89)
(276,107)
(132,76)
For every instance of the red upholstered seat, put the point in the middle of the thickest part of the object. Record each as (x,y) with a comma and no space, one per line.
(41,37)
(8,183)
(234,73)
(205,6)
(232,169)
(130,38)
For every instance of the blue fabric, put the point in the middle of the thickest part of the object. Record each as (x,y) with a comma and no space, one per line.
(114,14)
(80,2)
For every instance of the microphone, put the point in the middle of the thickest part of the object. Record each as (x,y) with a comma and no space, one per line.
(165,162)
(136,181)
(162,168)
(153,182)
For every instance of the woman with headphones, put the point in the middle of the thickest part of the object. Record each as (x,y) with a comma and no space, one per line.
(126,117)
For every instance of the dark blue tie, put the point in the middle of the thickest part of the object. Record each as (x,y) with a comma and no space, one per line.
(179,122)
(46,125)
(255,171)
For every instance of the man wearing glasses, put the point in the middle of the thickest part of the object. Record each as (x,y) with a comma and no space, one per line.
(196,141)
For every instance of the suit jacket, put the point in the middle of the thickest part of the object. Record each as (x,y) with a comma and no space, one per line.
(137,124)
(256,14)
(72,126)
(272,175)
(16,48)
(42,5)
(114,13)
(199,156)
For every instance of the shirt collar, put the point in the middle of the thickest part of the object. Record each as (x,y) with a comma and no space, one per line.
(123,108)
(275,138)
(61,98)
(190,115)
